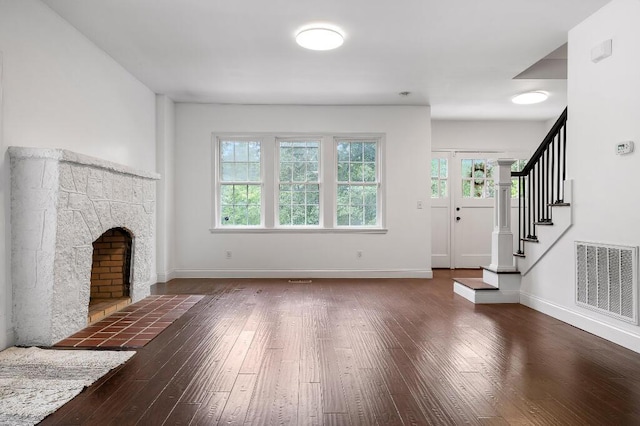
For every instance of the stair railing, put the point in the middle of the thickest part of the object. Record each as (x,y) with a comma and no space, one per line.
(541,183)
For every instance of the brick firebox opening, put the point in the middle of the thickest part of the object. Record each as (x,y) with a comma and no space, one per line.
(110,273)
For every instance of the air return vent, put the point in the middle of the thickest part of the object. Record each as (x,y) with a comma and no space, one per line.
(606,279)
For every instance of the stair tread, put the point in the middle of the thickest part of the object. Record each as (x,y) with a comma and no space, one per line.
(475,283)
(519,254)
(559,204)
(530,240)
(543,223)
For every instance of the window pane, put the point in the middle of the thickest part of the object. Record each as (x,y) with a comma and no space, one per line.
(370,215)
(343,151)
(356,151)
(478,168)
(489,170)
(285,215)
(356,172)
(444,188)
(466,189)
(370,152)
(343,172)
(241,151)
(254,152)
(356,201)
(370,195)
(435,167)
(466,168)
(226,151)
(240,204)
(313,215)
(490,189)
(343,215)
(478,188)
(444,168)
(286,172)
(434,188)
(369,172)
(254,172)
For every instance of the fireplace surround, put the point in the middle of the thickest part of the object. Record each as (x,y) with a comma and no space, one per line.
(61,202)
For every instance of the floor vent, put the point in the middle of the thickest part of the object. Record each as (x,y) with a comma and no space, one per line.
(606,279)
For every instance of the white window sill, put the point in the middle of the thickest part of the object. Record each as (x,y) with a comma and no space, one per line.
(298,230)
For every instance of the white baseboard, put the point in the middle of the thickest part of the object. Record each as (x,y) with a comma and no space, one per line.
(302,273)
(594,326)
(163,277)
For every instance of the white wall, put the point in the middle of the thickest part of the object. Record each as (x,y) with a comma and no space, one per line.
(604,108)
(61,91)
(165,158)
(523,136)
(403,251)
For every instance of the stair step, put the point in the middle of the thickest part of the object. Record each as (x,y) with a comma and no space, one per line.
(475,283)
(559,204)
(545,223)
(530,240)
(519,255)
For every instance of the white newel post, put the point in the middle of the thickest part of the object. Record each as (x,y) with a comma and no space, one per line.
(502,237)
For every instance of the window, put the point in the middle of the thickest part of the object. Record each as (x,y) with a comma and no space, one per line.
(240,183)
(439,176)
(516,167)
(477,178)
(357,183)
(299,185)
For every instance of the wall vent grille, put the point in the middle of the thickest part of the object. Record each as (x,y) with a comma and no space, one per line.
(606,279)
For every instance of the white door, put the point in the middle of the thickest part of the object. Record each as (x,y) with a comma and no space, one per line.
(472,209)
(462,214)
(440,210)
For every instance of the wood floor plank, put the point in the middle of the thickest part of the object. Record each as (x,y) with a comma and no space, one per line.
(210,409)
(264,394)
(333,396)
(237,405)
(310,404)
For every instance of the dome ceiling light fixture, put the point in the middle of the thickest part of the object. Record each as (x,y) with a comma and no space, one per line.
(320,37)
(529,98)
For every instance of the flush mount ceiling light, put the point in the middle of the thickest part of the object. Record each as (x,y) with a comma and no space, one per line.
(320,37)
(530,98)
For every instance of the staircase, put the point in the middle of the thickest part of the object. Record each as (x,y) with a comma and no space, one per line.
(544,216)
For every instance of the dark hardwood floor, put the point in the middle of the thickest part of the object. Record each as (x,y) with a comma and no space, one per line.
(361,352)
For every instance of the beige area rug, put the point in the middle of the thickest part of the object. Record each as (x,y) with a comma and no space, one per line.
(36,382)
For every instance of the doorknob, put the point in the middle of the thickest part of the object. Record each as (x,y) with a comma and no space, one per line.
(457,218)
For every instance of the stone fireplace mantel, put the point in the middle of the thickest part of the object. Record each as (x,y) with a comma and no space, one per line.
(62,201)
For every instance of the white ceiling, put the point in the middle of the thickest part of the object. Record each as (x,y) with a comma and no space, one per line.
(459,56)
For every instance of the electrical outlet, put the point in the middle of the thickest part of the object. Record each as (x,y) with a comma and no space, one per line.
(359,254)
(228,254)
(419,205)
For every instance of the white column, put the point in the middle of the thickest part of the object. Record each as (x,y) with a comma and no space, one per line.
(502,237)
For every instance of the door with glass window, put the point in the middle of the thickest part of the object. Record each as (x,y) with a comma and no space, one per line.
(472,215)
(462,200)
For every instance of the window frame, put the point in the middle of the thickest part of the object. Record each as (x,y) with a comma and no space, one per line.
(378,182)
(270,175)
(217,181)
(320,183)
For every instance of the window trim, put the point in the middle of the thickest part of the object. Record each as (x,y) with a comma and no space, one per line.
(276,195)
(380,216)
(269,171)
